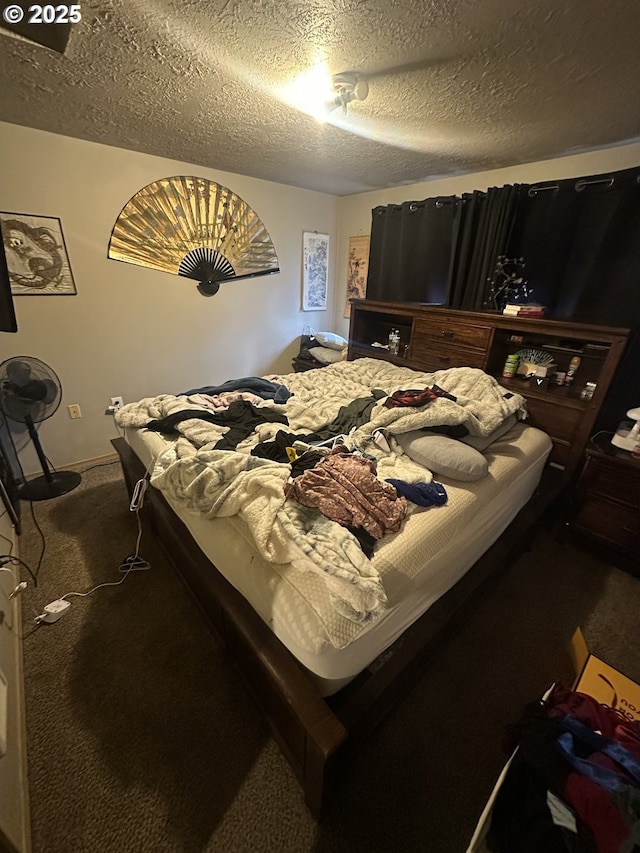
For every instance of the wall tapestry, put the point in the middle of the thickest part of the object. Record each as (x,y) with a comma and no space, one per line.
(315,271)
(195,228)
(357,266)
(36,255)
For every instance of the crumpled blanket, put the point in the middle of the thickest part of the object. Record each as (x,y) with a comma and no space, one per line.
(225,483)
(218,482)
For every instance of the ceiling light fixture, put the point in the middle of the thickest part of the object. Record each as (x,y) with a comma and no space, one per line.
(347,87)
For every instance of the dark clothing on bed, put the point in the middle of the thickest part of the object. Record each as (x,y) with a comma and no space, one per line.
(241,417)
(356,413)
(276,450)
(261,387)
(452,430)
(422,494)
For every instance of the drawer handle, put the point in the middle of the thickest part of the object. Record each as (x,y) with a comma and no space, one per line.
(443,357)
(446,333)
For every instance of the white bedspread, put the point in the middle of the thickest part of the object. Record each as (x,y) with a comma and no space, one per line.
(227,483)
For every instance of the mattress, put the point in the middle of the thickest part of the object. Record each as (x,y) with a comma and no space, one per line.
(434,549)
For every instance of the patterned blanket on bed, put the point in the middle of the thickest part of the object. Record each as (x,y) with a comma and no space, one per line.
(214,482)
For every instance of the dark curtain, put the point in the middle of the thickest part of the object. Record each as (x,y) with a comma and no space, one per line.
(483,230)
(580,239)
(410,251)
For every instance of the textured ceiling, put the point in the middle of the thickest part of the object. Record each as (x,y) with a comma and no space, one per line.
(455,85)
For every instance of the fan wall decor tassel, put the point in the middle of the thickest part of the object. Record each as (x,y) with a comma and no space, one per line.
(195,228)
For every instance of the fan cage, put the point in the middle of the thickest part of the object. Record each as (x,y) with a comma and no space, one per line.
(19,373)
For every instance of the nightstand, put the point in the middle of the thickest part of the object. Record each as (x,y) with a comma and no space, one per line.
(300,365)
(606,506)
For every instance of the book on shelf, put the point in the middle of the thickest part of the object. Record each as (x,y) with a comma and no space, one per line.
(526,309)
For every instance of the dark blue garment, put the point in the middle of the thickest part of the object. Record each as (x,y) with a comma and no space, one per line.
(423,494)
(262,387)
(579,742)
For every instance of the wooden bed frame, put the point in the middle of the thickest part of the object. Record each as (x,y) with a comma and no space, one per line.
(317,734)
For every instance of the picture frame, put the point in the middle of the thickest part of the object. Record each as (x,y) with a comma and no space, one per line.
(357,270)
(36,254)
(315,271)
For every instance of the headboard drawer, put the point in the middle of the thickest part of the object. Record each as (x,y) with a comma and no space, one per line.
(452,332)
(432,355)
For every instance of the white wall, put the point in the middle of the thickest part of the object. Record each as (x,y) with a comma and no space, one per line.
(133,331)
(137,332)
(355,210)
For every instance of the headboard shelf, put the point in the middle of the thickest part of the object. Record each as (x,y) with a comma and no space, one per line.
(439,338)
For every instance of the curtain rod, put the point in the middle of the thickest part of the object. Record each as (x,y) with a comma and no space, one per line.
(579,185)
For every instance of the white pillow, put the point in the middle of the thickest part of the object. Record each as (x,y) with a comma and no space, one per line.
(324,355)
(443,455)
(328,339)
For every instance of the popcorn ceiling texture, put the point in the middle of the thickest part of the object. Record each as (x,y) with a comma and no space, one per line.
(456,86)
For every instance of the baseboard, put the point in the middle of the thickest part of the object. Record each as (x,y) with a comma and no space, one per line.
(79,466)
(88,463)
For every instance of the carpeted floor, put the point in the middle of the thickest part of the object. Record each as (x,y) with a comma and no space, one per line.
(141,738)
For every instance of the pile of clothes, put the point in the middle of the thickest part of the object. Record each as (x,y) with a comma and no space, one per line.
(573,785)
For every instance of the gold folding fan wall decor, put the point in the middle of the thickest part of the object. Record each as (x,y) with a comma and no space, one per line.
(195,228)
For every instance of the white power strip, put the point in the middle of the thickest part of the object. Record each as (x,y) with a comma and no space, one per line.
(52,612)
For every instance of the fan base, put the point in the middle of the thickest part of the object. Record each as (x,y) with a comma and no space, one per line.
(42,488)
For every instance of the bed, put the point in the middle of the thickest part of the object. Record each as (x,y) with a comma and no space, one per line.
(329,627)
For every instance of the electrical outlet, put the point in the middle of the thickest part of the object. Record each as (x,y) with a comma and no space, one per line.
(116,403)
(74,411)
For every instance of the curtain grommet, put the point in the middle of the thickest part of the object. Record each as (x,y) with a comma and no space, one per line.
(583,183)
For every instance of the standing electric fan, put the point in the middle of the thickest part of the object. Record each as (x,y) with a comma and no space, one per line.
(30,392)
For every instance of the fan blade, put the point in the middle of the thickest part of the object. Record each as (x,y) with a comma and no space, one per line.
(16,407)
(404,68)
(51,392)
(34,389)
(18,372)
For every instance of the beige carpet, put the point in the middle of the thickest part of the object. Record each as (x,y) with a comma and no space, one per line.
(141,738)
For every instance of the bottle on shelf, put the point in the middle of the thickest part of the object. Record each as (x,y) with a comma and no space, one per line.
(574,364)
(510,366)
(394,342)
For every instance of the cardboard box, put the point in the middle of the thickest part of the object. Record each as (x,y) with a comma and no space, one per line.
(606,684)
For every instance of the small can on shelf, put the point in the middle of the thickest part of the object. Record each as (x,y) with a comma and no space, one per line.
(510,366)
